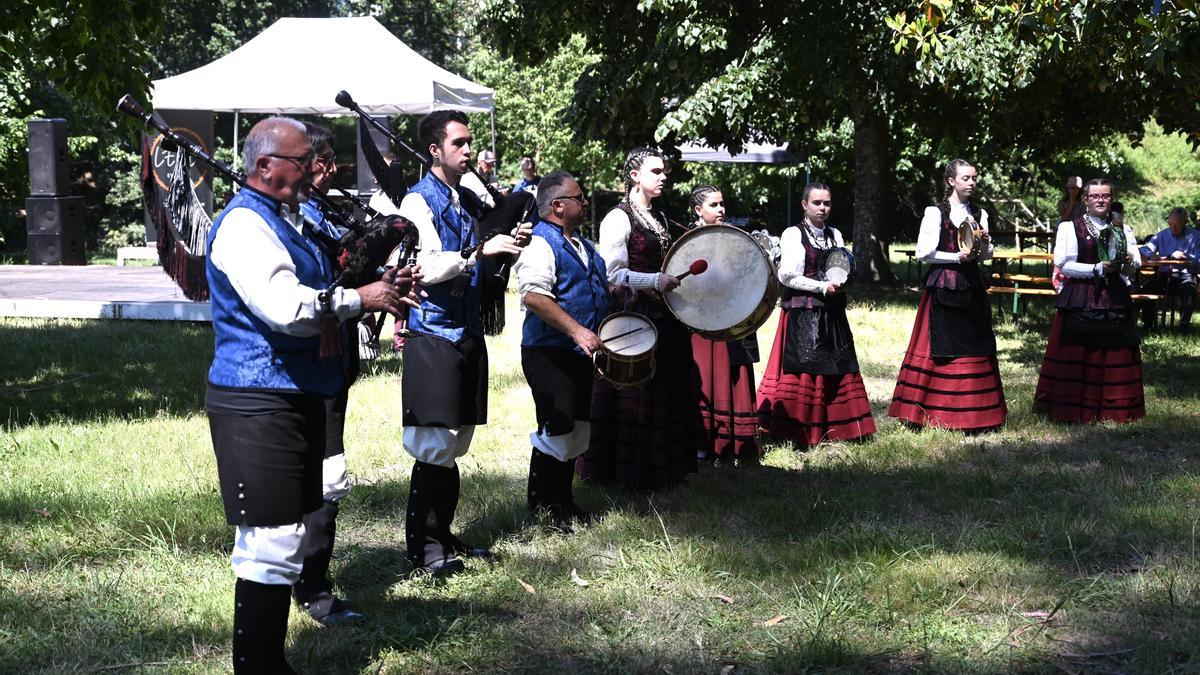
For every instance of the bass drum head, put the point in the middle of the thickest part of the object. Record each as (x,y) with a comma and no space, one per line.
(730,290)
(627,334)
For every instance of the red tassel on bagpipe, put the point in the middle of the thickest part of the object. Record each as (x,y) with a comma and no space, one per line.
(331,336)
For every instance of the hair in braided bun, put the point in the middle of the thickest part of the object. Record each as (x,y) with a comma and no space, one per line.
(634,161)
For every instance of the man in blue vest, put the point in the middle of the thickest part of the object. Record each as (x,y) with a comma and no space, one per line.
(564,286)
(268,382)
(445,359)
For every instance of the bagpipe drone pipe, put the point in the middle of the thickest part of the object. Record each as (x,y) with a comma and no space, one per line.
(495,220)
(359,254)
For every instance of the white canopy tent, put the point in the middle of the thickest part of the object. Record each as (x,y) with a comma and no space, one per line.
(752,153)
(383,74)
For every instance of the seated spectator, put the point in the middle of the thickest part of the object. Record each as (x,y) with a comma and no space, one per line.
(529,179)
(1177,242)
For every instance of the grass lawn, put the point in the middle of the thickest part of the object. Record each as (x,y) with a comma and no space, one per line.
(1037,548)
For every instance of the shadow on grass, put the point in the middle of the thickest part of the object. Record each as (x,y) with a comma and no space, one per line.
(67,526)
(80,371)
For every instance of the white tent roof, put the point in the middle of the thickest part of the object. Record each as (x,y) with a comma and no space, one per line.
(752,153)
(383,74)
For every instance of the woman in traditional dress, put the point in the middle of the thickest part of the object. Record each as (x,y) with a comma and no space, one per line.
(950,377)
(811,390)
(727,409)
(1092,370)
(644,437)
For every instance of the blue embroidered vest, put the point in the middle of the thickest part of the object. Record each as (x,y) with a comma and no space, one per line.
(582,293)
(313,216)
(248,354)
(442,313)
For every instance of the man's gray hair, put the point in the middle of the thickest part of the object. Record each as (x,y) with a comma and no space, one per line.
(263,139)
(552,186)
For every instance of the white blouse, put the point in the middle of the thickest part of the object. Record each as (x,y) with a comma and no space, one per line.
(613,246)
(931,234)
(1066,253)
(791,259)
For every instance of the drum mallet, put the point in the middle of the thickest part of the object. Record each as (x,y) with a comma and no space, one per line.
(697,267)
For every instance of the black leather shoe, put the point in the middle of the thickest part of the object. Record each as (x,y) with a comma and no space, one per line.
(444,567)
(459,547)
(328,609)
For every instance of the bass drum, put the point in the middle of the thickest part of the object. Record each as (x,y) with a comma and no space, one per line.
(735,295)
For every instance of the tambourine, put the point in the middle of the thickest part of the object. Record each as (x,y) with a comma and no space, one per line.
(837,266)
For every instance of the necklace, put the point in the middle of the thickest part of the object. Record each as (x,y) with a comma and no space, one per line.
(817,236)
(648,221)
(1094,225)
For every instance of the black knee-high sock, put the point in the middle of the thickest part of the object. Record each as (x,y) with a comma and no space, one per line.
(542,491)
(260,618)
(320,528)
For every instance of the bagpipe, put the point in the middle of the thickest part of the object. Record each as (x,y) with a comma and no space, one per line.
(502,218)
(359,253)
(1113,246)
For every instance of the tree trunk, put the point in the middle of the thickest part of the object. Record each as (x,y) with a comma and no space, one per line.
(870,189)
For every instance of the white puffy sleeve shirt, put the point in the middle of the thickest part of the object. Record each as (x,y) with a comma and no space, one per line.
(436,265)
(262,273)
(931,234)
(791,260)
(1066,253)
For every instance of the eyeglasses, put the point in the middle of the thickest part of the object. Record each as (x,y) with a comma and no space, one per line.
(304,160)
(326,160)
(580,198)
(1101,197)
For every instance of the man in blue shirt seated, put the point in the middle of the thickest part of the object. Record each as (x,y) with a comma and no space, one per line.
(529,178)
(1176,242)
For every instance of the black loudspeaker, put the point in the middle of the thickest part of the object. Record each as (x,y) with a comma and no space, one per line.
(54,215)
(55,249)
(48,161)
(55,228)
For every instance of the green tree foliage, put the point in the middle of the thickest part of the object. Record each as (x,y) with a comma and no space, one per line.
(729,72)
(530,107)
(65,58)
(74,59)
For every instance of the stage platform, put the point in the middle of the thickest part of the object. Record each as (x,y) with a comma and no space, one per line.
(95,292)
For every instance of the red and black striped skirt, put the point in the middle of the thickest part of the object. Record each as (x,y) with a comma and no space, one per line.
(954,393)
(1089,384)
(727,409)
(808,409)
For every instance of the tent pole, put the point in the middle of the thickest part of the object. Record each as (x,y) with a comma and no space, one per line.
(235,140)
(789,209)
(494,133)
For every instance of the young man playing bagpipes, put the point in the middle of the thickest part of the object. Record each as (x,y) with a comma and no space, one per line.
(445,359)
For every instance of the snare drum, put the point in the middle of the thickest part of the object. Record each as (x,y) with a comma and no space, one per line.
(626,354)
(735,295)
